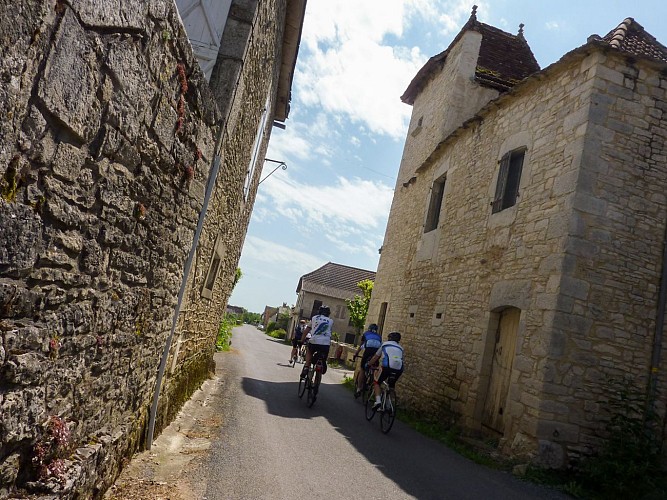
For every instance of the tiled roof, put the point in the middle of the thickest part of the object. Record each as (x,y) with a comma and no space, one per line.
(631,37)
(334,280)
(504,59)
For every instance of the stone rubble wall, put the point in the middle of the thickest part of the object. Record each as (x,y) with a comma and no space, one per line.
(107,135)
(579,254)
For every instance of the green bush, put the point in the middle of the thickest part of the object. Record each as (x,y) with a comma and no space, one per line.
(278,333)
(627,465)
(335,337)
(271,326)
(223,340)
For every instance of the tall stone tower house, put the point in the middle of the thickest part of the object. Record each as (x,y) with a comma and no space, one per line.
(523,259)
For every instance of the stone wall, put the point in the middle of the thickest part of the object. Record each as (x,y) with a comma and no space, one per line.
(108,133)
(579,254)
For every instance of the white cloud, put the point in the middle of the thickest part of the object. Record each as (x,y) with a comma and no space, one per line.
(552,26)
(270,252)
(347,204)
(346,67)
(348,215)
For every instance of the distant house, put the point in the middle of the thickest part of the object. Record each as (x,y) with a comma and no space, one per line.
(234,310)
(329,285)
(272,313)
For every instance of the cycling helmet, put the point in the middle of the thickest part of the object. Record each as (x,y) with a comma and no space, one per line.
(372,327)
(325,311)
(395,336)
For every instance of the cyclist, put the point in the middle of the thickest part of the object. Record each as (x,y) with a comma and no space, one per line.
(390,358)
(371,340)
(320,339)
(297,340)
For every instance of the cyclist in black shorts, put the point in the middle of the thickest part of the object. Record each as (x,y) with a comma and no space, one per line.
(390,356)
(371,341)
(297,340)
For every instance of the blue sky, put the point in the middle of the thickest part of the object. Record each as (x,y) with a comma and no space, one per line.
(347,124)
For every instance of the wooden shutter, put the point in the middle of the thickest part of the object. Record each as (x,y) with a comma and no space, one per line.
(497,204)
(204,22)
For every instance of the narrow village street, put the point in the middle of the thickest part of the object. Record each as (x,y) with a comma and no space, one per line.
(246,435)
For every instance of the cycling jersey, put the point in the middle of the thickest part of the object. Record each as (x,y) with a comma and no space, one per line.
(371,340)
(321,330)
(298,332)
(392,355)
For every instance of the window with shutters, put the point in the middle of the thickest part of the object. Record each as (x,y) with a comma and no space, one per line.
(509,176)
(435,204)
(213,268)
(204,22)
(261,127)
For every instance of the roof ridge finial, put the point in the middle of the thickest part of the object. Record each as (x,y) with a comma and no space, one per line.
(520,33)
(473,14)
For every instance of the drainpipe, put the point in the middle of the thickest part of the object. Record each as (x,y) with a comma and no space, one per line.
(659,327)
(213,174)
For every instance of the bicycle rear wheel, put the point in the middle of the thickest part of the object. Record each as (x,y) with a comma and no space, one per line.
(370,401)
(302,386)
(367,387)
(388,416)
(312,391)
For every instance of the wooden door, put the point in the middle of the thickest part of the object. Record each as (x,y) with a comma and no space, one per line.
(501,370)
(204,22)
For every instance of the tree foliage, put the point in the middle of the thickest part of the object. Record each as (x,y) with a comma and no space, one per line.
(358,305)
(238,274)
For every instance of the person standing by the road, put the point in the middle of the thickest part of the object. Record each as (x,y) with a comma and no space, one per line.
(320,340)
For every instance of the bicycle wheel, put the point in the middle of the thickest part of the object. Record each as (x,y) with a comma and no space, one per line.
(312,392)
(389,414)
(303,382)
(370,401)
(368,386)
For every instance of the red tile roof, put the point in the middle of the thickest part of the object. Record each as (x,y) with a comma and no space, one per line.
(334,280)
(504,59)
(630,36)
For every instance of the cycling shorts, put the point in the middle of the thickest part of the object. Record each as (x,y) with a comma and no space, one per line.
(382,374)
(297,342)
(323,351)
(369,352)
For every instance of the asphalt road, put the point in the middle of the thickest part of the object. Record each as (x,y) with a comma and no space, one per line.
(271,446)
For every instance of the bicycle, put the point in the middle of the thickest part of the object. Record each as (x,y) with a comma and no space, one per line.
(312,381)
(302,355)
(367,382)
(388,405)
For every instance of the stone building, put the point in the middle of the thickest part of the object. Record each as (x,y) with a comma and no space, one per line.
(329,285)
(127,179)
(523,259)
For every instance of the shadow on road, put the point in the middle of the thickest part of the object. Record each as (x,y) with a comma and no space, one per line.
(419,466)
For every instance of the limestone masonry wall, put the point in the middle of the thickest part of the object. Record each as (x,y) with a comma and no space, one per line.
(579,255)
(107,136)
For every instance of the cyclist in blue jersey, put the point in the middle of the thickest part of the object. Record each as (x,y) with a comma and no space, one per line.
(390,358)
(320,338)
(297,341)
(371,341)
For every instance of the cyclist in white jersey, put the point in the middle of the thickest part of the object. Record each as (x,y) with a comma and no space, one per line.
(390,356)
(320,338)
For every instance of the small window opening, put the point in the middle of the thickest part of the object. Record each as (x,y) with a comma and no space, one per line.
(435,204)
(509,176)
(213,269)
